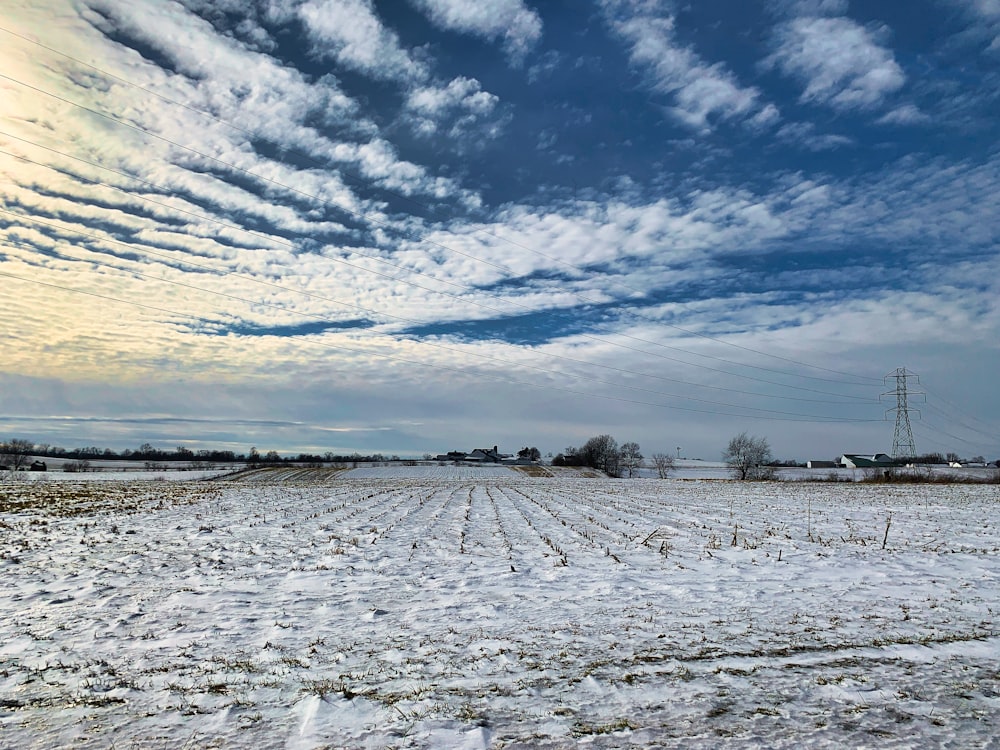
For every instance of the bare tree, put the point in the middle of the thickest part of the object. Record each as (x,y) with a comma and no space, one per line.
(15,453)
(631,458)
(664,464)
(747,457)
(602,453)
(530,454)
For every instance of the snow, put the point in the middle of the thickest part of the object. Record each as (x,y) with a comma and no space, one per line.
(431,471)
(132,475)
(459,609)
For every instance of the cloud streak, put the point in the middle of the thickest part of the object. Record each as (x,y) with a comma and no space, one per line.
(511,21)
(700,92)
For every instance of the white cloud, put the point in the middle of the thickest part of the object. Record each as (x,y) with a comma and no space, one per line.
(223,75)
(907,114)
(350,32)
(985,21)
(462,102)
(841,63)
(985,8)
(700,91)
(768,116)
(810,7)
(264,97)
(543,65)
(804,134)
(518,26)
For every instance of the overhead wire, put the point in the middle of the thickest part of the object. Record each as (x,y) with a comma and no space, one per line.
(371,220)
(930,437)
(992,434)
(939,431)
(473,302)
(927,403)
(978,439)
(442,347)
(291,245)
(382,355)
(410,199)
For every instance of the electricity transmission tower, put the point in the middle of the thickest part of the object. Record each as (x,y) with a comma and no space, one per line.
(902,438)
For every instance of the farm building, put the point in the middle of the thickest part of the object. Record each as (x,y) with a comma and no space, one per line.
(822,464)
(478,455)
(865,461)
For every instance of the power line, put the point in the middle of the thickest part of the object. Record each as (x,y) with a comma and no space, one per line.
(930,437)
(314,316)
(371,220)
(291,245)
(795,418)
(360,180)
(940,431)
(390,277)
(992,434)
(960,423)
(381,333)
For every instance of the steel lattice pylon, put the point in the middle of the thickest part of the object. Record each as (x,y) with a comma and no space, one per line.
(902,437)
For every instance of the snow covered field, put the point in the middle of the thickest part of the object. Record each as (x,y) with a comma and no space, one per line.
(106,475)
(498,611)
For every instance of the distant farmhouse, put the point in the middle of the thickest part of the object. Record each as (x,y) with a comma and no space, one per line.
(481,456)
(864,461)
(854,461)
(822,464)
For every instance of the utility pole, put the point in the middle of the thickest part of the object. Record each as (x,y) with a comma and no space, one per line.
(902,437)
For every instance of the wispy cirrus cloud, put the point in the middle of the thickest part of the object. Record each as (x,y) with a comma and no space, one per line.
(511,21)
(700,92)
(984,21)
(905,114)
(841,63)
(805,135)
(809,7)
(351,32)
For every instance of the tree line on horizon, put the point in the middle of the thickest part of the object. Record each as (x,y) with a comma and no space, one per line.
(748,457)
(15,453)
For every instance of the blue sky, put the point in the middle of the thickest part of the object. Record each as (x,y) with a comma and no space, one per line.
(422,225)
